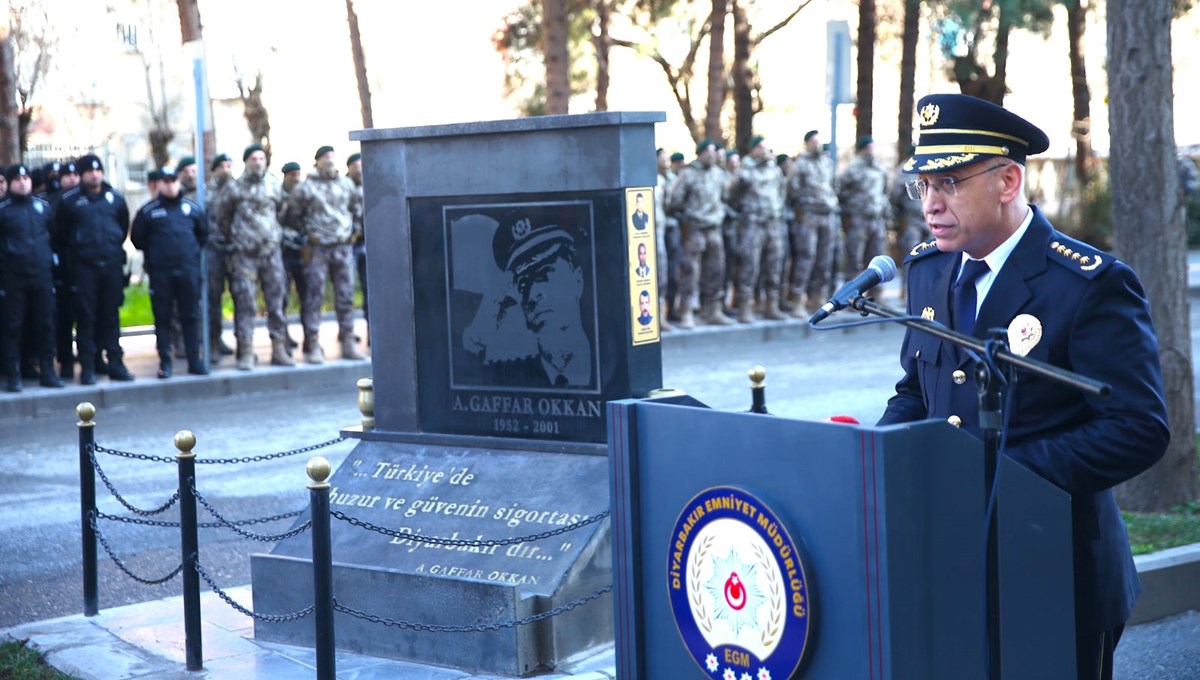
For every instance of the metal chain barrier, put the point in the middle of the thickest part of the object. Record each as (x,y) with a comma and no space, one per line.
(269,618)
(113,490)
(220,461)
(121,565)
(265,538)
(479,628)
(201,525)
(269,456)
(475,543)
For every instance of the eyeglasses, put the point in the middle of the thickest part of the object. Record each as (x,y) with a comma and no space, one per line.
(947,186)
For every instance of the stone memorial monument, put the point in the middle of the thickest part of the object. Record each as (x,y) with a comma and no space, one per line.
(512,272)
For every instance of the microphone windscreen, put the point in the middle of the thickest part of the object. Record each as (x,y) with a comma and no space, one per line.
(886,267)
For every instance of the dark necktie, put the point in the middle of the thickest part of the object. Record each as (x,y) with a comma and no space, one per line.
(963,295)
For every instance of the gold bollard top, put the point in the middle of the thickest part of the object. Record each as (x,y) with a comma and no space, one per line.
(758,375)
(318,470)
(366,402)
(86,412)
(185,441)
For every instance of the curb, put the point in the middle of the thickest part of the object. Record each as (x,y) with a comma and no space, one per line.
(1170,583)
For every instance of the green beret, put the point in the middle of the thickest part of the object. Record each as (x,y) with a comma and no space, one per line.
(754,141)
(251,149)
(219,159)
(782,158)
(322,151)
(353,157)
(704,144)
(291,166)
(677,156)
(863,142)
(810,134)
(184,162)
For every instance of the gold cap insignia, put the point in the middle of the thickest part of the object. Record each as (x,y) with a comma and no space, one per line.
(927,313)
(1024,333)
(522,228)
(929,114)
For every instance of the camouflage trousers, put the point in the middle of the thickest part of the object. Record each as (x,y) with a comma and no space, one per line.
(759,252)
(912,232)
(865,238)
(336,262)
(219,275)
(812,255)
(248,272)
(702,267)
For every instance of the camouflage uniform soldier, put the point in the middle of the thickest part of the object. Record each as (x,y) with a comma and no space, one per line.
(292,243)
(811,194)
(863,195)
(664,225)
(325,206)
(757,194)
(216,249)
(696,202)
(910,225)
(247,213)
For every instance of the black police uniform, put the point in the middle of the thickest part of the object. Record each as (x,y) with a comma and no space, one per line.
(171,232)
(64,301)
(26,286)
(92,228)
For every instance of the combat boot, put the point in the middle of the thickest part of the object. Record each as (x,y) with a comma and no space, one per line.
(313,354)
(687,319)
(116,368)
(14,377)
(350,350)
(713,316)
(281,353)
(87,370)
(799,306)
(48,377)
(664,325)
(772,311)
(245,357)
(745,313)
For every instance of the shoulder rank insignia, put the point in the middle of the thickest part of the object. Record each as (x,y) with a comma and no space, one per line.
(922,249)
(1079,257)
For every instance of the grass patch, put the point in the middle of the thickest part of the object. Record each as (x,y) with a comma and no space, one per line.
(18,662)
(1152,531)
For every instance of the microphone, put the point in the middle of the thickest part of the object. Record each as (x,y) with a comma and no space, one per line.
(881,270)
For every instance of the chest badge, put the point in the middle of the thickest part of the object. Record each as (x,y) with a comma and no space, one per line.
(927,313)
(1024,333)
(187,209)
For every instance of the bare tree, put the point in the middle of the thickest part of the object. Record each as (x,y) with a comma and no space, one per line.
(1081,126)
(360,69)
(191,29)
(717,82)
(554,51)
(866,67)
(1148,226)
(32,41)
(908,73)
(603,43)
(257,119)
(747,90)
(10,136)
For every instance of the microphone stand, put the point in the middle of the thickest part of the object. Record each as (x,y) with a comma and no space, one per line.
(994,368)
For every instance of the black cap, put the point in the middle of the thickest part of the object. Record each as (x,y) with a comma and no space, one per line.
(290,166)
(168,171)
(219,159)
(322,151)
(958,129)
(52,168)
(14,171)
(527,236)
(70,168)
(89,162)
(251,149)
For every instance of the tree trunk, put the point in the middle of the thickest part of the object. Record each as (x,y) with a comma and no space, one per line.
(908,74)
(999,83)
(1081,127)
(190,29)
(10,149)
(1148,226)
(717,85)
(603,46)
(360,66)
(866,67)
(554,49)
(743,77)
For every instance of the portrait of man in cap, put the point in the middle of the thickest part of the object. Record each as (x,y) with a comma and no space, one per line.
(521,296)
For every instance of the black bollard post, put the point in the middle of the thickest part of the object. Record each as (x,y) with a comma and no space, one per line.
(322,560)
(758,390)
(189,542)
(87,505)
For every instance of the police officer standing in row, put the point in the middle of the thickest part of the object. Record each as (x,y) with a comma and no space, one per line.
(91,225)
(26,285)
(171,230)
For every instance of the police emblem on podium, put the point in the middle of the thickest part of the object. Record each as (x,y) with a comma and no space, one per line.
(739,589)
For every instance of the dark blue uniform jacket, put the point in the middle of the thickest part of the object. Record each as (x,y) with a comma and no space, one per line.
(92,228)
(171,232)
(25,238)
(1094,320)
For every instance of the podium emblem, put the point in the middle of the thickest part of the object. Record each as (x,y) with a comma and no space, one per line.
(738,587)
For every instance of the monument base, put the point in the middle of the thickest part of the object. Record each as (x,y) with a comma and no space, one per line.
(454,493)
